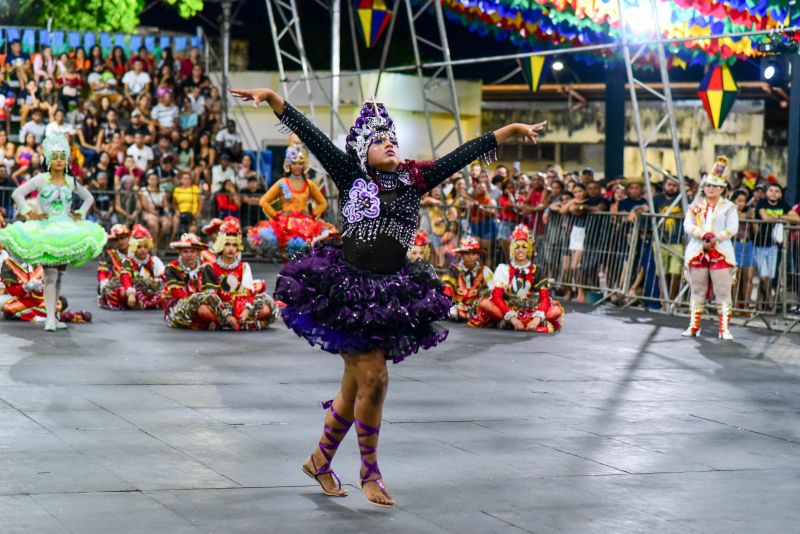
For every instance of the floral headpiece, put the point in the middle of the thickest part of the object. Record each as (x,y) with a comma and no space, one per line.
(372,125)
(54,143)
(469,244)
(521,237)
(719,173)
(212,226)
(229,232)
(140,235)
(188,241)
(117,231)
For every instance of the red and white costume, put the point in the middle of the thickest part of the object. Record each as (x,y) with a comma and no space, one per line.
(114,279)
(148,274)
(519,291)
(24,286)
(183,299)
(234,283)
(467,287)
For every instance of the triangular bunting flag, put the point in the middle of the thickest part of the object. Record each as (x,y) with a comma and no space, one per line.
(532,70)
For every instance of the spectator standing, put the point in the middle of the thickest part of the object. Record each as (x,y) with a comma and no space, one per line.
(671,233)
(537,203)
(598,229)
(127,202)
(743,250)
(772,211)
(482,218)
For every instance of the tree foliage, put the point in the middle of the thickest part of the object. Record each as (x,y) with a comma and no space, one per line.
(96,15)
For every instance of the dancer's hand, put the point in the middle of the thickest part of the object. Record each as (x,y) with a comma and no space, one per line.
(231,320)
(533,325)
(131,301)
(275,101)
(517,324)
(244,315)
(530,131)
(76,217)
(36,216)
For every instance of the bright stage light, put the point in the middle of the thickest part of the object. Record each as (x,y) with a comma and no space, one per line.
(641,20)
(769,72)
(558,65)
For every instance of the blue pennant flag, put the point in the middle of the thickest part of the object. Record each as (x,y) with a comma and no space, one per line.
(44,37)
(180,44)
(135,43)
(105,41)
(89,41)
(197,42)
(150,43)
(74,39)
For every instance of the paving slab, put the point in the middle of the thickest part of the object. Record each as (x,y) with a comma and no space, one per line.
(616,424)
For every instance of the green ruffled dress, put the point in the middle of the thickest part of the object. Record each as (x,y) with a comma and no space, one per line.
(59,239)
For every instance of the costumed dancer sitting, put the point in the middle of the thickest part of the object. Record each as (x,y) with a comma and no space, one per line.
(24,288)
(710,258)
(359,296)
(514,302)
(147,271)
(115,289)
(290,231)
(54,236)
(468,281)
(185,303)
(231,278)
(211,231)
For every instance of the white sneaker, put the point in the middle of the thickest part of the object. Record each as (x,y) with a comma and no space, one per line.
(61,326)
(726,335)
(49,326)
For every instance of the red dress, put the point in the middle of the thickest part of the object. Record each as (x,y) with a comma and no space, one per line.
(114,279)
(24,305)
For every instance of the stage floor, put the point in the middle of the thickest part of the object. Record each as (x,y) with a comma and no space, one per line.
(616,424)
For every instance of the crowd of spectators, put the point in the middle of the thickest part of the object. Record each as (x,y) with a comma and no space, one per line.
(147,136)
(585,227)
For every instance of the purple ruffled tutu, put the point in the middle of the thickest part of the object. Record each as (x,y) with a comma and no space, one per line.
(345,310)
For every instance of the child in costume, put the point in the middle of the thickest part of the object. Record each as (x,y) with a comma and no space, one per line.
(232,280)
(468,281)
(186,304)
(147,271)
(514,302)
(115,289)
(360,296)
(53,237)
(291,230)
(421,249)
(710,259)
(24,285)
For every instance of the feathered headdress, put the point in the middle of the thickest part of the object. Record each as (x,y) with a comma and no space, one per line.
(469,244)
(719,173)
(521,237)
(372,125)
(140,235)
(54,143)
(229,232)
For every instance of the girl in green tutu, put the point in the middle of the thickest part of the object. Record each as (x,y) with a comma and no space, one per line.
(53,236)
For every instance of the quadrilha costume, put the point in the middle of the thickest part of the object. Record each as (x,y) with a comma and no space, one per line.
(24,284)
(183,295)
(234,284)
(114,276)
(515,290)
(467,287)
(148,274)
(359,293)
(709,255)
(58,240)
(291,230)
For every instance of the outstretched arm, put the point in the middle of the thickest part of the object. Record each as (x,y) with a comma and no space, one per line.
(479,148)
(333,159)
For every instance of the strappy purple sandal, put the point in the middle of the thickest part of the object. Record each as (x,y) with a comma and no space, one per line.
(333,444)
(370,468)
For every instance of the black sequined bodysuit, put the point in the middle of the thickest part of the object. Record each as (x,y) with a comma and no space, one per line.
(379,213)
